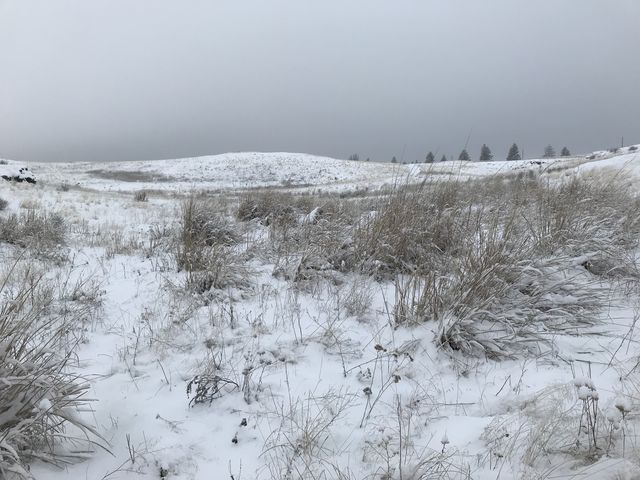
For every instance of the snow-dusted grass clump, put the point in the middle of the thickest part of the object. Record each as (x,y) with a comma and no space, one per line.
(40,395)
(206,248)
(40,231)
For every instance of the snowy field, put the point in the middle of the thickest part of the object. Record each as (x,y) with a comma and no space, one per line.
(283,316)
(240,171)
(222,172)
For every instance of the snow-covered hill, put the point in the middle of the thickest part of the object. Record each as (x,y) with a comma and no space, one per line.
(237,171)
(228,171)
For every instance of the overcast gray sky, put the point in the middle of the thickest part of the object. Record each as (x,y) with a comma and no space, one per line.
(133,79)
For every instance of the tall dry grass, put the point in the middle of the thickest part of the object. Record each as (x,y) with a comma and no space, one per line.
(205,248)
(40,395)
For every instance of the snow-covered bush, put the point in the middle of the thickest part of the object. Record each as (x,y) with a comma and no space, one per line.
(16,173)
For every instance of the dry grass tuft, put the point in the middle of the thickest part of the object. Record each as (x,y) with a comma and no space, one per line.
(501,264)
(271,206)
(39,396)
(206,248)
(141,196)
(40,231)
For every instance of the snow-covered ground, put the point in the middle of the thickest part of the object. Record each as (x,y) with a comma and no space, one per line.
(222,172)
(321,378)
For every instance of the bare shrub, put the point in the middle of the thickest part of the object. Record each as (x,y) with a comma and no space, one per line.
(211,383)
(140,196)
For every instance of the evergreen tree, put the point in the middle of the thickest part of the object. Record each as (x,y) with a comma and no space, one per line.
(549,152)
(444,158)
(485,154)
(394,160)
(429,158)
(514,153)
(565,152)
(464,155)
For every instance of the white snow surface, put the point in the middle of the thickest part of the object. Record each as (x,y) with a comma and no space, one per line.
(224,172)
(148,342)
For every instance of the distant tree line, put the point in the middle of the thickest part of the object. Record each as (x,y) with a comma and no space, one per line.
(486,155)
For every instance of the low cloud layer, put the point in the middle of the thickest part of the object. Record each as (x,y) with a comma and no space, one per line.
(121,80)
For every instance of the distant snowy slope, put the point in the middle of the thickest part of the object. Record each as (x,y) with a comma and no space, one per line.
(481,169)
(625,159)
(237,171)
(626,162)
(221,172)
